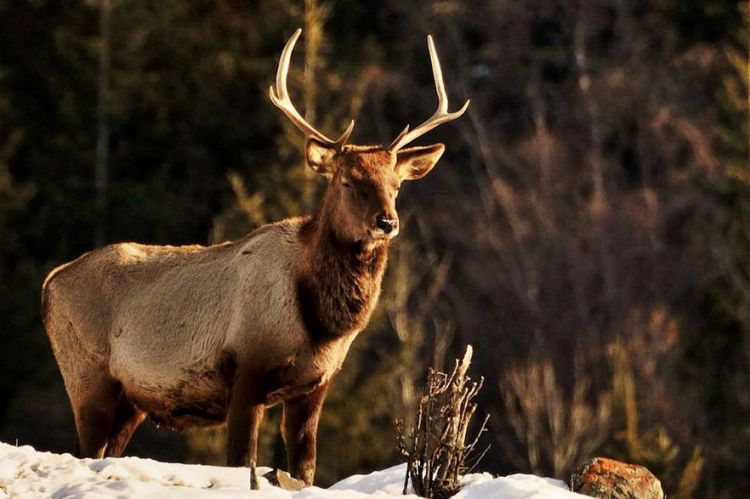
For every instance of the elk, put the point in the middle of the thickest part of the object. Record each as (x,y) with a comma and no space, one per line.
(197,336)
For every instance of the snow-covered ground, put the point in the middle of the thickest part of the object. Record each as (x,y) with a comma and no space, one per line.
(26,473)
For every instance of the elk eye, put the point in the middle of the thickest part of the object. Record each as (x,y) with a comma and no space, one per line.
(346,184)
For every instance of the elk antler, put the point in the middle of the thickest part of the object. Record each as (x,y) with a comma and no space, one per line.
(441,115)
(280,98)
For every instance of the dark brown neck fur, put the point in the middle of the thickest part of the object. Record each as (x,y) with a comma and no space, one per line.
(341,283)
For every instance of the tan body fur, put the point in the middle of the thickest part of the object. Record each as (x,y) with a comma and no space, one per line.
(232,301)
(195,336)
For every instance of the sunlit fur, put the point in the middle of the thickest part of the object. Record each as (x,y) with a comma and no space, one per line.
(195,335)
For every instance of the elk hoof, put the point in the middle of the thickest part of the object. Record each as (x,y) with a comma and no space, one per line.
(254,482)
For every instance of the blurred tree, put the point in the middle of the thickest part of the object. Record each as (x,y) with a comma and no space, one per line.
(102,119)
(590,148)
(717,355)
(43,141)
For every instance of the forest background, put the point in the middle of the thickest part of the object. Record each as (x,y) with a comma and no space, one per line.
(587,229)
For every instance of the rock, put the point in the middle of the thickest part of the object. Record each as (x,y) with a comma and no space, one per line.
(281,478)
(609,479)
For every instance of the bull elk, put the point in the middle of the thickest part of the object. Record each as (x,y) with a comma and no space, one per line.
(195,336)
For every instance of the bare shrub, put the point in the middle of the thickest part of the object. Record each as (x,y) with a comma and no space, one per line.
(436,449)
(554,431)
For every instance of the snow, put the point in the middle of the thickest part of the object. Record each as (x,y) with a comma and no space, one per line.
(26,473)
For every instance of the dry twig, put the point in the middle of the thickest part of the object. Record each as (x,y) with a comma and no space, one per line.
(436,449)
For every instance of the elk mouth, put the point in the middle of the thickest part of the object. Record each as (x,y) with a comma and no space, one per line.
(380,235)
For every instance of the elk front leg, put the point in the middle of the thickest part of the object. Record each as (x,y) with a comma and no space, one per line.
(244,418)
(299,427)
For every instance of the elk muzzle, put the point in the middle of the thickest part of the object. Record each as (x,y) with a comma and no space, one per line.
(385,226)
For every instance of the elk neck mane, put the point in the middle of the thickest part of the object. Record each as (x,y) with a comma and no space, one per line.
(340,282)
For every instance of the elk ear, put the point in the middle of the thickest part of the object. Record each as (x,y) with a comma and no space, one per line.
(320,156)
(416,162)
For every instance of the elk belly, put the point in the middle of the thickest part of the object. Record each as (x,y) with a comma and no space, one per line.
(198,398)
(173,387)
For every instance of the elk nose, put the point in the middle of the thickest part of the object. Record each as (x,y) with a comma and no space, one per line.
(386,224)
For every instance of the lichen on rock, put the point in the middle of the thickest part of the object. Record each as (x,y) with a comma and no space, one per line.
(609,479)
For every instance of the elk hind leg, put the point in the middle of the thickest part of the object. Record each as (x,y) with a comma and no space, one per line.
(127,419)
(93,393)
(94,408)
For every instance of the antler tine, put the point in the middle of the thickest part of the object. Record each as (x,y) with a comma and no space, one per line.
(441,114)
(280,98)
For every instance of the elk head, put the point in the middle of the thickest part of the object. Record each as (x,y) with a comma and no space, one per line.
(364,180)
